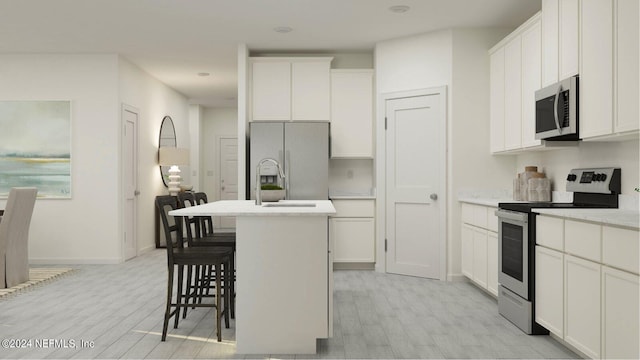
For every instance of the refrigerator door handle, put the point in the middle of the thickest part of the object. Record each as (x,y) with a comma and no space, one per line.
(287,173)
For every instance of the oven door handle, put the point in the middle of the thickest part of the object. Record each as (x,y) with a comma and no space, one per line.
(512,215)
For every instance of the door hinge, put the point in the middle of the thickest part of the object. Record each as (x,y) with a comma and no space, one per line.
(385,245)
(385,123)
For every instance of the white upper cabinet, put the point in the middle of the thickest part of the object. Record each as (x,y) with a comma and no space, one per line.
(627,65)
(531,75)
(560,44)
(568,31)
(515,74)
(290,89)
(310,90)
(513,94)
(609,70)
(352,113)
(496,106)
(271,90)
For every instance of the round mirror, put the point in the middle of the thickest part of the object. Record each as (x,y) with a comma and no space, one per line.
(167,139)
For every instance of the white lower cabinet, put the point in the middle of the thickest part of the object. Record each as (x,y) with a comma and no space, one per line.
(353,239)
(466,238)
(587,286)
(479,246)
(480,257)
(492,262)
(352,231)
(549,290)
(582,305)
(620,314)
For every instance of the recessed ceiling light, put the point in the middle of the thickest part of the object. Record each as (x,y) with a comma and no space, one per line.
(282,29)
(203,74)
(399,9)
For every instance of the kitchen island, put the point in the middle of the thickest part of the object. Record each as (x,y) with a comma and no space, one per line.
(284,281)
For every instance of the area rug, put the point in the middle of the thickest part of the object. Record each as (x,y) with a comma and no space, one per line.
(37,276)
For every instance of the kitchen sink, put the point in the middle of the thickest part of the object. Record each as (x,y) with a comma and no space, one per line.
(288,205)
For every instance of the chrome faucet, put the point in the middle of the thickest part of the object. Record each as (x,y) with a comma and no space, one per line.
(258,184)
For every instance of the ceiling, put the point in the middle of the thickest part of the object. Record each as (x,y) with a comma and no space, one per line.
(174,40)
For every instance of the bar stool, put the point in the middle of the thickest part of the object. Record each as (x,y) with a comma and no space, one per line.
(178,255)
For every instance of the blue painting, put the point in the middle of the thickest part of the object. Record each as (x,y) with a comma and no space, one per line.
(35,147)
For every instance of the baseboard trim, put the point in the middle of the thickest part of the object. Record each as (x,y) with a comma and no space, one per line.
(353,266)
(456,278)
(147,249)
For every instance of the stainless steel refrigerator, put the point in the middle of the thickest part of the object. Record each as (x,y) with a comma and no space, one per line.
(301,148)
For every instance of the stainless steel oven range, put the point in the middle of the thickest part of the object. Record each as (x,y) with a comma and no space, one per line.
(592,188)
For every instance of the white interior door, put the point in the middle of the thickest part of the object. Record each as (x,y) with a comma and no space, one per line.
(415,139)
(130,180)
(228,177)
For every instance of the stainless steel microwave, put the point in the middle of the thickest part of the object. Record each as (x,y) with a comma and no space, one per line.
(557,111)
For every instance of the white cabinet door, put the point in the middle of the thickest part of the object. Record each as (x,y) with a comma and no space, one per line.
(513,94)
(582,305)
(480,257)
(271,90)
(549,290)
(492,262)
(568,45)
(550,26)
(352,113)
(531,68)
(496,94)
(596,73)
(627,34)
(620,315)
(310,90)
(353,239)
(466,240)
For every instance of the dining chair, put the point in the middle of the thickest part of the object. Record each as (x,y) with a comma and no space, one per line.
(218,258)
(199,234)
(14,236)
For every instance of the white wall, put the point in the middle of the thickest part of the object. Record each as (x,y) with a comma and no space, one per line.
(83,229)
(216,122)
(88,227)
(196,141)
(154,100)
(457,59)
(557,163)
(471,166)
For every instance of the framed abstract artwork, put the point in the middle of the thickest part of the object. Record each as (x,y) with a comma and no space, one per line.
(35,147)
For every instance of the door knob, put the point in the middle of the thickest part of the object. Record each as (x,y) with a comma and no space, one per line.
(433,196)
(136,192)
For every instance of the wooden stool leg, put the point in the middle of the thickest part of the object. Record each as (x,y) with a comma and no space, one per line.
(180,296)
(218,303)
(232,285)
(167,313)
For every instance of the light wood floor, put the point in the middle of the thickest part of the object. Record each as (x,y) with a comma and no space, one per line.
(120,308)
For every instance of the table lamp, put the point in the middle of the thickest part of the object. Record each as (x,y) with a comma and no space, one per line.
(173,157)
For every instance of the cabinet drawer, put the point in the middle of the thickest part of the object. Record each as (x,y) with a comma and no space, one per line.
(492,219)
(354,208)
(549,232)
(475,215)
(583,239)
(620,248)
(354,239)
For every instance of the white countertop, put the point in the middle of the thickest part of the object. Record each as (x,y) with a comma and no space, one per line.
(617,217)
(249,208)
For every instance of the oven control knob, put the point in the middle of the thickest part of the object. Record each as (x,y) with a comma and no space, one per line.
(572,177)
(603,177)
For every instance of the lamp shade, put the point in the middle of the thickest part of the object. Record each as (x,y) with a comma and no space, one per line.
(169,156)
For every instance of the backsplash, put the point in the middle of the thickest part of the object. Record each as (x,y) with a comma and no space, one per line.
(557,163)
(351,174)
